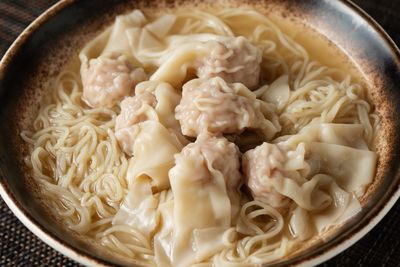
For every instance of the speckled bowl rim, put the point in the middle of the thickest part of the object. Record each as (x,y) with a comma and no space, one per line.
(86,259)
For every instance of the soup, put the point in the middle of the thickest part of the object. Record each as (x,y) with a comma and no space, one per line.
(203,137)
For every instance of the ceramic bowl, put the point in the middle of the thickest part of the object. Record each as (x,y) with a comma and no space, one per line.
(51,40)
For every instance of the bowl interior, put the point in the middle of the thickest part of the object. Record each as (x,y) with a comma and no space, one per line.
(54,39)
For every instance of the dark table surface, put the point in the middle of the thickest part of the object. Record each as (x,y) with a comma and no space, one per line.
(19,247)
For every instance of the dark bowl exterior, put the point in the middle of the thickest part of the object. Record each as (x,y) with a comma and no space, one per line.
(24,67)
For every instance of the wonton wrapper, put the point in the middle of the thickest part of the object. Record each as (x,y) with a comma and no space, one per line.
(139,208)
(204,199)
(234,59)
(105,42)
(108,70)
(337,167)
(154,149)
(165,100)
(217,107)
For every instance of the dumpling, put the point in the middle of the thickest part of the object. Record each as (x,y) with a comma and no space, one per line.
(139,208)
(167,98)
(338,150)
(204,183)
(132,109)
(214,106)
(322,179)
(108,70)
(266,163)
(216,154)
(154,101)
(275,176)
(211,158)
(235,60)
(153,147)
(109,78)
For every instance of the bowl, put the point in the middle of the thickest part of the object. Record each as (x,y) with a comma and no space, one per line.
(51,40)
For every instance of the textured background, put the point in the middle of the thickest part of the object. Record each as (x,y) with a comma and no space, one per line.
(19,247)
